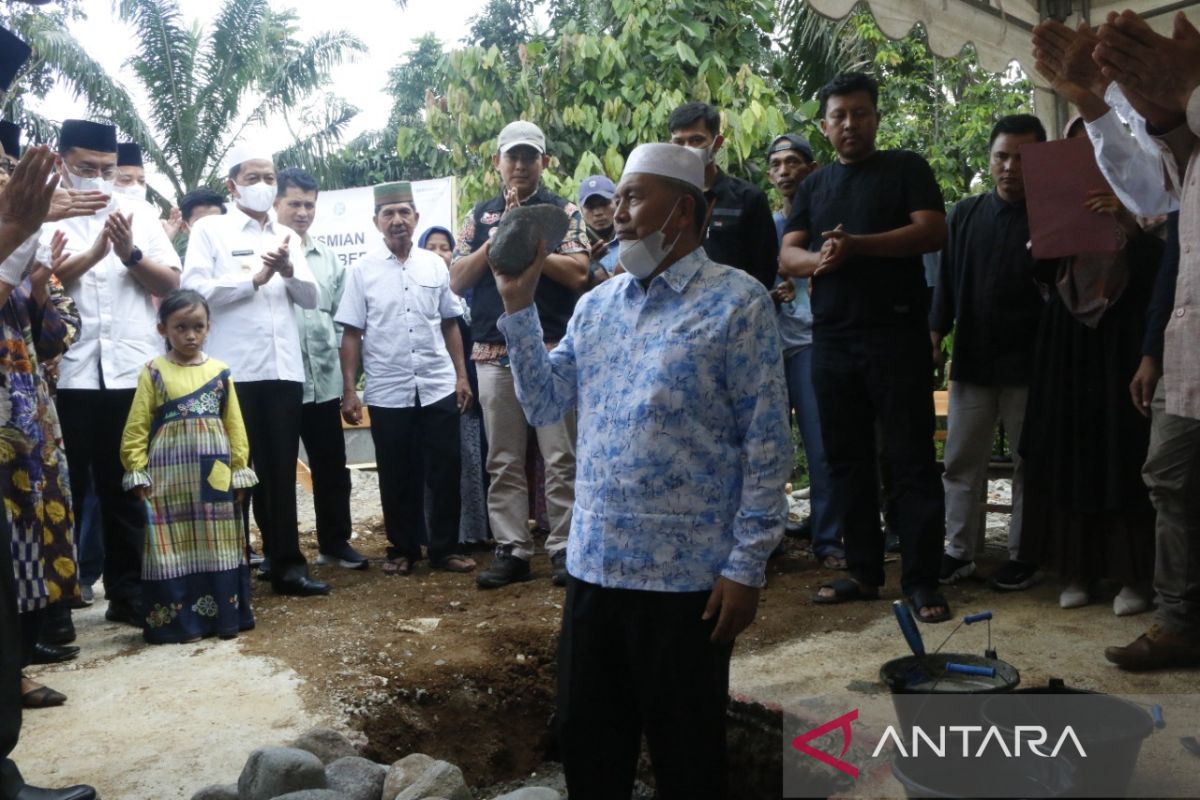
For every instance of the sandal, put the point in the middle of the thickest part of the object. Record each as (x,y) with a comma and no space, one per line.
(397,566)
(455,563)
(844,591)
(833,562)
(927,599)
(40,697)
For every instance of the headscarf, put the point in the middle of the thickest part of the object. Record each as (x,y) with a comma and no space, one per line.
(435,229)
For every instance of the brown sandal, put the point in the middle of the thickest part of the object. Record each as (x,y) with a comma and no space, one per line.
(456,563)
(397,566)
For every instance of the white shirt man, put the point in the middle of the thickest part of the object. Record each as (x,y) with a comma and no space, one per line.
(120,260)
(253,273)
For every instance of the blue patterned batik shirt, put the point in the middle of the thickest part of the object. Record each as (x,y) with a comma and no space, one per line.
(684,444)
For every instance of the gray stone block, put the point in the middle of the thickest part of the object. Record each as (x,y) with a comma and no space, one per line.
(274,771)
(313,794)
(217,791)
(404,773)
(441,779)
(326,744)
(357,778)
(532,793)
(514,246)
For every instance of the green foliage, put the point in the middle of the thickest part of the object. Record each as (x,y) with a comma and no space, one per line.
(601,85)
(206,86)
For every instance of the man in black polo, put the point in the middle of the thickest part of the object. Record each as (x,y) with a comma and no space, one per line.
(741,230)
(986,293)
(858,228)
(520,158)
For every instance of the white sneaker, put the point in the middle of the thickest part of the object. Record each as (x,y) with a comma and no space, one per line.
(1129,602)
(1075,595)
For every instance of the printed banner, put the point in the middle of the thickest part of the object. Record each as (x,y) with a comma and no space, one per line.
(344,216)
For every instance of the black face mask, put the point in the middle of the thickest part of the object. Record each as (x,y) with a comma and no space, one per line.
(601,235)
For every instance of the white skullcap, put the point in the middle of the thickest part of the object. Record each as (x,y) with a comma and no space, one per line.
(669,161)
(242,152)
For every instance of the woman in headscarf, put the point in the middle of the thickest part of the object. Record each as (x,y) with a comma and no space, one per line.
(1087,513)
(473,526)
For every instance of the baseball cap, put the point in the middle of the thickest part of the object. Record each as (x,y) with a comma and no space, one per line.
(791,141)
(520,133)
(596,185)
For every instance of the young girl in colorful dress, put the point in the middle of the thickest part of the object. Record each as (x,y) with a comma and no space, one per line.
(185,453)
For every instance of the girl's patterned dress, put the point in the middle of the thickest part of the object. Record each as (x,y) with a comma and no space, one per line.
(185,439)
(33,465)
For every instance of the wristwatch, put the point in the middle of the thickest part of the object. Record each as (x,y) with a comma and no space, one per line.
(135,257)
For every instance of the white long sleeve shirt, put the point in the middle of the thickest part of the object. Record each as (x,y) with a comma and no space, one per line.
(1131,162)
(253,330)
(118,321)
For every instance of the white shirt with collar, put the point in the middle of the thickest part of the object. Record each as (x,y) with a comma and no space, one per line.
(118,319)
(253,331)
(399,306)
(1130,160)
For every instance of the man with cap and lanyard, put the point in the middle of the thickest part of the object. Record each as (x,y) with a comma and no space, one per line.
(401,323)
(789,161)
(596,201)
(26,201)
(253,273)
(740,232)
(120,261)
(520,158)
(683,455)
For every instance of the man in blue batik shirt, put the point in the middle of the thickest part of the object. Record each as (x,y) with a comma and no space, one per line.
(679,499)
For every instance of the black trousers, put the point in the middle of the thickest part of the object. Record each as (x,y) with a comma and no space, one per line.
(271,411)
(92,423)
(10,667)
(633,662)
(884,375)
(414,447)
(325,444)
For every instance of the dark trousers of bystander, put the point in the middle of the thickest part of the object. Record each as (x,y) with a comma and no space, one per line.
(415,447)
(884,374)
(271,413)
(633,662)
(92,423)
(10,668)
(325,445)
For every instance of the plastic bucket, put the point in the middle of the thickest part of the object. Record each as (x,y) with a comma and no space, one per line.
(923,777)
(924,692)
(1111,731)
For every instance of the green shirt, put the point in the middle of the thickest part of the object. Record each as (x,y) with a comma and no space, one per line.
(319,336)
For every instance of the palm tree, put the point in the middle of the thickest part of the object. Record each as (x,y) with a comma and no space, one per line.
(206,86)
(817,48)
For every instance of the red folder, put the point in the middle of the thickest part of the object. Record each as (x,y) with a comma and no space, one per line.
(1058,177)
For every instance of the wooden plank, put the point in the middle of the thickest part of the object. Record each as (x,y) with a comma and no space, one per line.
(304,476)
(941,404)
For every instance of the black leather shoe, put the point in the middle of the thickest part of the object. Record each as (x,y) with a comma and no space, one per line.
(57,627)
(125,611)
(299,586)
(53,653)
(263,570)
(70,793)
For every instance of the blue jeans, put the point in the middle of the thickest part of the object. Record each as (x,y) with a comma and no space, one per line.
(90,547)
(802,397)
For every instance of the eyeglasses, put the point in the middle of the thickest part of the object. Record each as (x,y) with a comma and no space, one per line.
(108,173)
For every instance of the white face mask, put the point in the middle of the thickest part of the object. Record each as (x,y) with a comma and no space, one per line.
(640,257)
(258,197)
(705,153)
(96,184)
(134,191)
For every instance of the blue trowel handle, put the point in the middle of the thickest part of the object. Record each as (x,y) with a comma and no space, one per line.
(1157,713)
(982,616)
(908,626)
(969,669)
